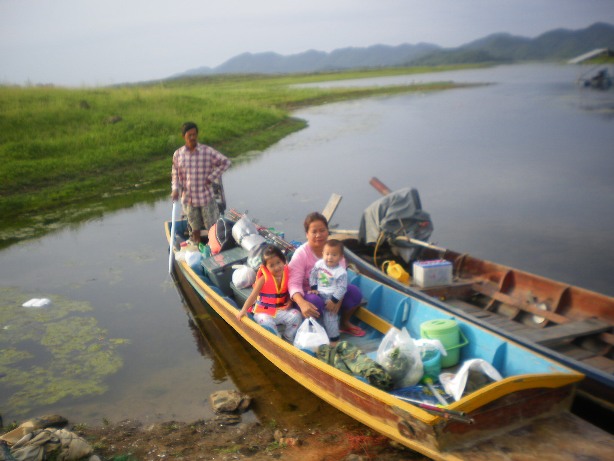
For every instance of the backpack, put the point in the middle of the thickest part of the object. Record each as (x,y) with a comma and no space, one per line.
(220,236)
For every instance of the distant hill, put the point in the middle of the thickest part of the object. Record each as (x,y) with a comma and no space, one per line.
(558,44)
(316,61)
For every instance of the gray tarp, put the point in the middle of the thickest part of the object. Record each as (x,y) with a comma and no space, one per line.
(398,213)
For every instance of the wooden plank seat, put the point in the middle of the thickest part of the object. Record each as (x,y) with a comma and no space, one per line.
(565,332)
(493,318)
(492,292)
(575,352)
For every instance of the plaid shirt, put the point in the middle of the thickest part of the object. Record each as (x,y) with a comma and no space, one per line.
(194,172)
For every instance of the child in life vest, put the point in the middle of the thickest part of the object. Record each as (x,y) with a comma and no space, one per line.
(270,298)
(329,280)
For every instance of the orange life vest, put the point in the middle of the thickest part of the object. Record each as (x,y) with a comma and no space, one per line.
(272,297)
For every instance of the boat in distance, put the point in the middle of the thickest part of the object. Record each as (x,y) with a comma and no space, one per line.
(570,324)
(534,393)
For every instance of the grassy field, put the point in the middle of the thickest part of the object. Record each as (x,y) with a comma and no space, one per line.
(70,154)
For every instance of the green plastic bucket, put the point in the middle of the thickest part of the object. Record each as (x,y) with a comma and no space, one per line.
(448,332)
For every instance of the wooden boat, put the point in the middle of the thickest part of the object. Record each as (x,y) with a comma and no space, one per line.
(534,394)
(570,324)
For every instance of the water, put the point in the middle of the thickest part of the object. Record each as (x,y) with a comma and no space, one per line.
(518,171)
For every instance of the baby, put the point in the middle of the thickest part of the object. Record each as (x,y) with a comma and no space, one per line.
(329,279)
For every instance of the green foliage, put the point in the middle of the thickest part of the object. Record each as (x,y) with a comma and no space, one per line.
(601,60)
(69,154)
(51,353)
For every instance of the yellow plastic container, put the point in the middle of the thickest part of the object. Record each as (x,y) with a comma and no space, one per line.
(396,271)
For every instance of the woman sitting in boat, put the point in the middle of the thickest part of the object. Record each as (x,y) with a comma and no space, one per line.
(270,298)
(303,260)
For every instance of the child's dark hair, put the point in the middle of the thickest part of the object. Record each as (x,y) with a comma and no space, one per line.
(271,251)
(334,243)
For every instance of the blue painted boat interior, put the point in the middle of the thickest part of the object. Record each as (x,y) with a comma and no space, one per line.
(402,310)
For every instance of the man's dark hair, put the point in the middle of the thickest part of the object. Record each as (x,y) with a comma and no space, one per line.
(187,126)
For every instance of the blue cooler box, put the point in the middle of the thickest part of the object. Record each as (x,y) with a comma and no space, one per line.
(219,267)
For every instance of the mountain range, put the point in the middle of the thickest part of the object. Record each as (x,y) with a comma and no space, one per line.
(558,44)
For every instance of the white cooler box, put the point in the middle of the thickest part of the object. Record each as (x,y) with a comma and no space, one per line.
(432,273)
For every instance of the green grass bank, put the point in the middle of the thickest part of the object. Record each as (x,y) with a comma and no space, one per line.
(72,154)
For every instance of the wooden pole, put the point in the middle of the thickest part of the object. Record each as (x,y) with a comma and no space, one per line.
(171,251)
(379,186)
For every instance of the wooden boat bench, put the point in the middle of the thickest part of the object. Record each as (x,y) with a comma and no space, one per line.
(565,332)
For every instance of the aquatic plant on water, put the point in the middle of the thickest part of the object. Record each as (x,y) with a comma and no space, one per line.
(51,353)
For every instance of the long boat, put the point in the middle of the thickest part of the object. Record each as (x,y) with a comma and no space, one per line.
(524,414)
(570,324)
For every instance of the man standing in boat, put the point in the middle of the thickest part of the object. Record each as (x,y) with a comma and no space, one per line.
(196,167)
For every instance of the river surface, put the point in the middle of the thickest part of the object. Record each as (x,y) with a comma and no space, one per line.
(519,171)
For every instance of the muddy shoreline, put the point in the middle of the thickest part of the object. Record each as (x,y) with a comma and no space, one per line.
(213,440)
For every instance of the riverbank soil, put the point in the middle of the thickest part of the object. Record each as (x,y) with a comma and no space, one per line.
(214,440)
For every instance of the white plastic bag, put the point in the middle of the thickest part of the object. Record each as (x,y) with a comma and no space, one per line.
(425,344)
(242,228)
(254,260)
(37,302)
(243,276)
(249,242)
(454,384)
(310,335)
(193,258)
(400,357)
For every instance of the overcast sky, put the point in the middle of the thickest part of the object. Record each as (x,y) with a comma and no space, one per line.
(101,42)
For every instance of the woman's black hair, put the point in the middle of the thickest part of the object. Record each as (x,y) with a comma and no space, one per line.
(313,217)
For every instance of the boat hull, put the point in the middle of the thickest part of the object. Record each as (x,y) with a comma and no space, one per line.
(499,408)
(410,426)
